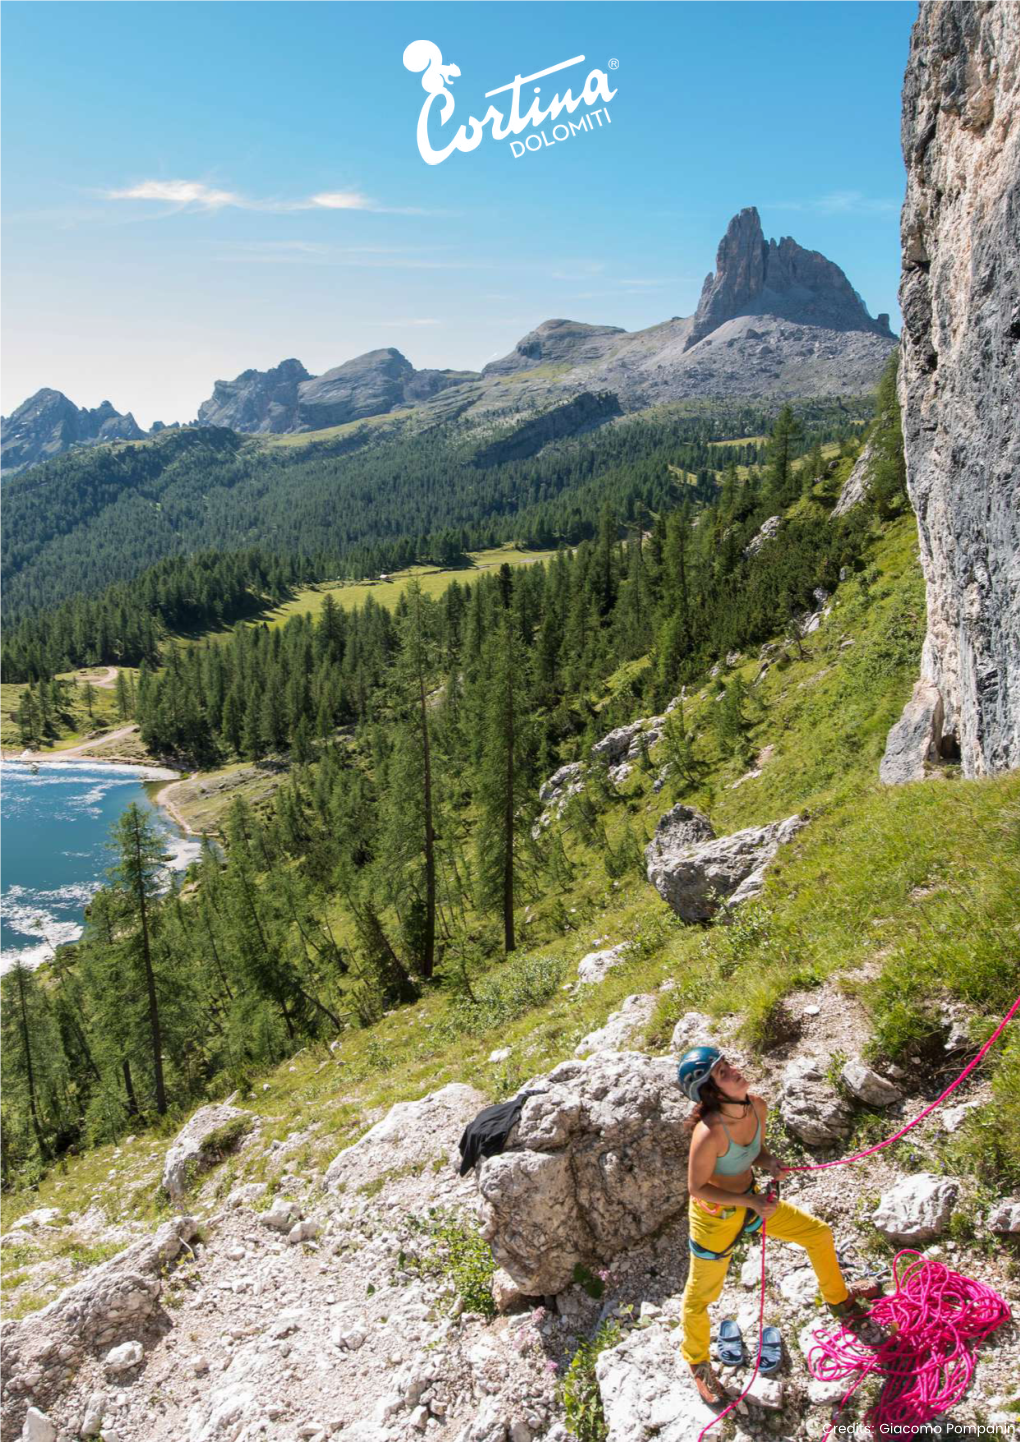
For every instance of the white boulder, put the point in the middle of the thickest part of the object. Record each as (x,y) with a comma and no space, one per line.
(211,1132)
(599,1163)
(867,1085)
(1005,1217)
(123,1358)
(419,1131)
(623,1028)
(646,1392)
(695,871)
(917,1209)
(597,965)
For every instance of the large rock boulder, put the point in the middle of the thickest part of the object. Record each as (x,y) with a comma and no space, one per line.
(810,1105)
(857,484)
(555,792)
(1005,1217)
(915,741)
(917,1209)
(600,1162)
(210,1133)
(597,965)
(110,1305)
(410,1132)
(645,1394)
(623,1028)
(695,871)
(767,532)
(960,368)
(866,1084)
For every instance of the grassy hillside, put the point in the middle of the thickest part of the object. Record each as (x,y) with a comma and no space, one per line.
(903,897)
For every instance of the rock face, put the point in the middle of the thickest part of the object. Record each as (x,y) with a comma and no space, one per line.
(256,400)
(597,965)
(695,871)
(410,1132)
(113,1303)
(960,370)
(768,531)
(917,1209)
(287,398)
(210,1132)
(47,424)
(914,743)
(758,277)
(599,1161)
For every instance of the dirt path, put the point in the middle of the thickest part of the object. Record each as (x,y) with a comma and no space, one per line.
(163,800)
(108,679)
(83,749)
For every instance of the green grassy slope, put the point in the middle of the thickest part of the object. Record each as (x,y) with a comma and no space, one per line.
(907,896)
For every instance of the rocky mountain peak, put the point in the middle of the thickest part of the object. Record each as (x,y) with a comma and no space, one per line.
(48,424)
(555,342)
(754,276)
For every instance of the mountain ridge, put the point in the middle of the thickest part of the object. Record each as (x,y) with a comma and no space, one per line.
(774,321)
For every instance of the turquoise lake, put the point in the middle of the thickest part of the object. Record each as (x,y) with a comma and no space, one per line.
(57,822)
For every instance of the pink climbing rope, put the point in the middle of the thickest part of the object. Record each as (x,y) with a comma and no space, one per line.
(935,1316)
(932,1321)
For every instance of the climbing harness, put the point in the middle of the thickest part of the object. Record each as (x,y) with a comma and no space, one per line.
(934,1317)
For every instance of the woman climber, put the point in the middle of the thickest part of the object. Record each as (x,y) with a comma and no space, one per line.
(728,1129)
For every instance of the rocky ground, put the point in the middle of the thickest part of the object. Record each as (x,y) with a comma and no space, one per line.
(326,1305)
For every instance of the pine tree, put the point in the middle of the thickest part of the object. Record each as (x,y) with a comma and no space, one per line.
(501,785)
(136,883)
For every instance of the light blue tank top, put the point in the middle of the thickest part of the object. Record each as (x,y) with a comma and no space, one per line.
(737,1159)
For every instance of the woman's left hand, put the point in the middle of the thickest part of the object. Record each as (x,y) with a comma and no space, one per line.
(776,1169)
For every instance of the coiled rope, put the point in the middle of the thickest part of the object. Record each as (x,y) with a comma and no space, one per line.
(935,1317)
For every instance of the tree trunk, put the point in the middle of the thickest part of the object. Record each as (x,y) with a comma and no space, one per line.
(150,981)
(29,1072)
(129,1087)
(509,943)
(429,957)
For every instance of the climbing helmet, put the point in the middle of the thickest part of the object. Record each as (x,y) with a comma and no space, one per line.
(694,1068)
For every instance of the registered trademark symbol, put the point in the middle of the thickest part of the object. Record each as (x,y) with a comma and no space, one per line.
(614,64)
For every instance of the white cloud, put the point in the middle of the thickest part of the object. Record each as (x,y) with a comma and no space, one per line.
(340,200)
(841,202)
(197,195)
(178,192)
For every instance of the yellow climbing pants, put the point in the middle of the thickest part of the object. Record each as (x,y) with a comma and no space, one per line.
(716,1232)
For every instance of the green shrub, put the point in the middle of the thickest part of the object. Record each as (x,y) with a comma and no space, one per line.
(582,1402)
(450,1249)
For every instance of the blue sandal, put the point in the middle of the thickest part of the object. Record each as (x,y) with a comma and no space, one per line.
(729,1344)
(771,1351)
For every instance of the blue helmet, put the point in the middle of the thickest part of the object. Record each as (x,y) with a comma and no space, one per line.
(694,1068)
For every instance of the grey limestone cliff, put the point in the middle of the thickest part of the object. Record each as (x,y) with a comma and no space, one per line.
(960,377)
(754,276)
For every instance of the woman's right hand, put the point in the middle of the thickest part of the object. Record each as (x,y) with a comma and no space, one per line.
(764,1204)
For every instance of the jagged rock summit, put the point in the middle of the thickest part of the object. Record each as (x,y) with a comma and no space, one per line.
(47,424)
(754,276)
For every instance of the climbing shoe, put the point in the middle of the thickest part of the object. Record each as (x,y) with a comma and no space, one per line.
(709,1387)
(855,1304)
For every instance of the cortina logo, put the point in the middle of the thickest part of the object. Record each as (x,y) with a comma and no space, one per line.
(423,55)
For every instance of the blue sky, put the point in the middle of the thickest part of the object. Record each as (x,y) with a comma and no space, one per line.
(190,189)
